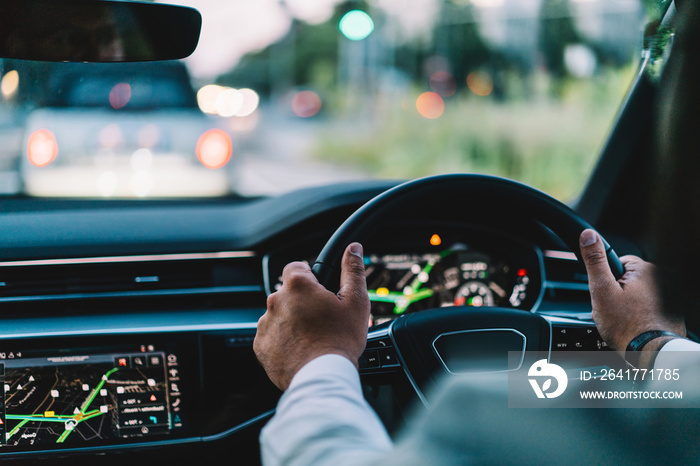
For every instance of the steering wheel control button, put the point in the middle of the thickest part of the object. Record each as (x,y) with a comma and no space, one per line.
(387,357)
(577,338)
(369,360)
(381,343)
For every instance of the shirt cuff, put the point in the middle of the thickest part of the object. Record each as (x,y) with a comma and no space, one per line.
(680,344)
(333,365)
(668,356)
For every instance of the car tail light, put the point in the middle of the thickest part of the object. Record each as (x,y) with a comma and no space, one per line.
(42,147)
(214,148)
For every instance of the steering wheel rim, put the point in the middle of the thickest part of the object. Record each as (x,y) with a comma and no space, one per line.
(560,218)
(447,340)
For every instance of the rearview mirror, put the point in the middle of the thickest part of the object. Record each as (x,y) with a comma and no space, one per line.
(97,31)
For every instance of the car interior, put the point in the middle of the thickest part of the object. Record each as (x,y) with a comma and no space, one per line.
(128,324)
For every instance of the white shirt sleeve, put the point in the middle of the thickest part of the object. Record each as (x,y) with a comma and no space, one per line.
(680,344)
(323,419)
(673,354)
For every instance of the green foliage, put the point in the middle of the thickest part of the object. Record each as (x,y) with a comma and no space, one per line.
(549,143)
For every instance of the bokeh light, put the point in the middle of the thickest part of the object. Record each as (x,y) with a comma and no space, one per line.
(480,83)
(214,148)
(356,25)
(206,98)
(120,95)
(141,160)
(42,148)
(229,102)
(306,104)
(580,60)
(226,101)
(149,136)
(9,84)
(443,83)
(430,105)
(251,100)
(110,136)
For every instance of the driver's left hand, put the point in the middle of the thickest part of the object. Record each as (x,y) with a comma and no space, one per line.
(304,320)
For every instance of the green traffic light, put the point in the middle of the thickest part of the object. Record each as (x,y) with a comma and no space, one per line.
(356,25)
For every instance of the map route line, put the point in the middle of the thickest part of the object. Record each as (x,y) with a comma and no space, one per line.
(96,390)
(82,415)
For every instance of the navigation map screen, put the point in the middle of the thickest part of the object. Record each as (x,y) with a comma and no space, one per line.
(72,400)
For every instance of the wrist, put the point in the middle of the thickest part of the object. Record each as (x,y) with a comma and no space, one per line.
(308,356)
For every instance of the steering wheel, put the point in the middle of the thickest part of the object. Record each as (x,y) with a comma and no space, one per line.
(445,340)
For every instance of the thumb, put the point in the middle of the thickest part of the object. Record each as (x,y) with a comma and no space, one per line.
(593,253)
(353,285)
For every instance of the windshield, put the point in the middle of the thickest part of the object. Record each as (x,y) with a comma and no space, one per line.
(281,95)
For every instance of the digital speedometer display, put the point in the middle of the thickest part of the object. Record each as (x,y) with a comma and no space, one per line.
(458,275)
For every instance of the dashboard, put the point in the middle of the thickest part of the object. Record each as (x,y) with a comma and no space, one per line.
(127,331)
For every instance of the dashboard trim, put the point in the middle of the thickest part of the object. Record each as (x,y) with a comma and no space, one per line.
(543,275)
(563,255)
(243,425)
(134,330)
(267,285)
(136,258)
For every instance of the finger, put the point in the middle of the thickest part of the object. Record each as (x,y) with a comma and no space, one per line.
(630,259)
(596,261)
(297,272)
(257,341)
(632,265)
(353,284)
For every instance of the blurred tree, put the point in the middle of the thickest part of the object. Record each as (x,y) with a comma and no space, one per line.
(458,39)
(306,52)
(557,31)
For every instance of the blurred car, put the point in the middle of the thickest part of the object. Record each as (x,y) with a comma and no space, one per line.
(132,130)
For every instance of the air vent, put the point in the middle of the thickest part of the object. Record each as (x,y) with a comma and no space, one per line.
(209,273)
(566,286)
(564,268)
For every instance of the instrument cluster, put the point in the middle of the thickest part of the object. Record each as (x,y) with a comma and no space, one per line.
(442,266)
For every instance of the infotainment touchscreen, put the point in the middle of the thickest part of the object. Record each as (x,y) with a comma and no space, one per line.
(88,397)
